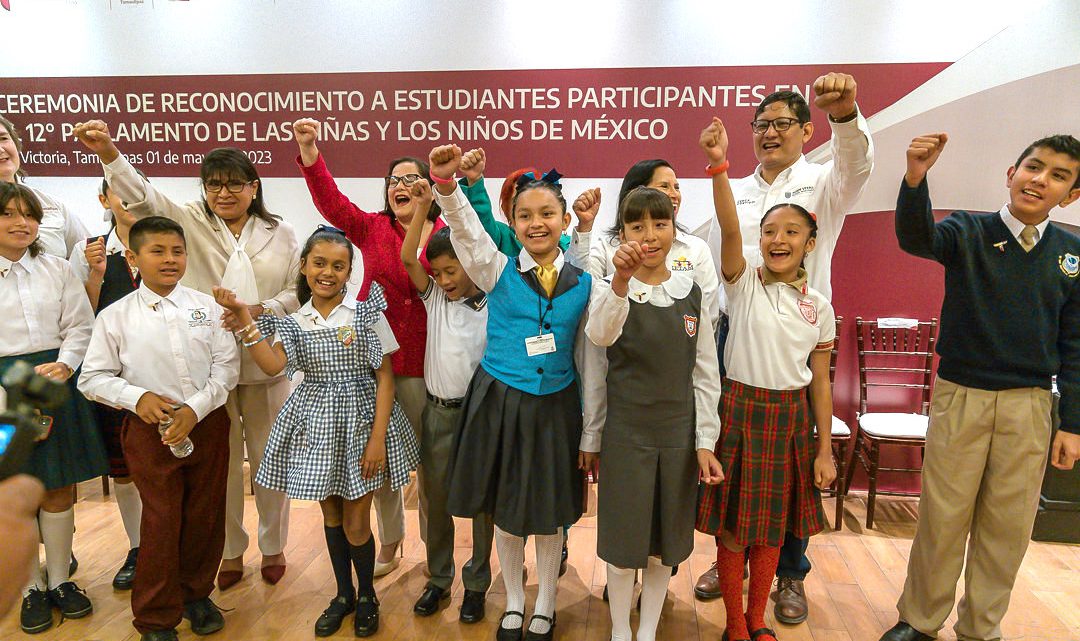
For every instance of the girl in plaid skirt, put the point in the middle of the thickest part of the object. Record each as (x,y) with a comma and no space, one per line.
(340,435)
(776,353)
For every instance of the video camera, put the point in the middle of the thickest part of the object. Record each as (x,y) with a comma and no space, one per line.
(23,424)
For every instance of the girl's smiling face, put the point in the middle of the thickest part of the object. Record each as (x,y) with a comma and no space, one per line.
(327,268)
(785,240)
(18,229)
(656,233)
(539,221)
(9,155)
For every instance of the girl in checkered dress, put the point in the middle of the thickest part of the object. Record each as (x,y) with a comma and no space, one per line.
(340,436)
(777,354)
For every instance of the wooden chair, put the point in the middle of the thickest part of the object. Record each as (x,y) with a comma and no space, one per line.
(896,358)
(841,437)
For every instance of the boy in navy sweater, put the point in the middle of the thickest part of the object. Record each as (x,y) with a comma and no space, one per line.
(1009,322)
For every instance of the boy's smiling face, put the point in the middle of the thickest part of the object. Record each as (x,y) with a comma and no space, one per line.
(1043,180)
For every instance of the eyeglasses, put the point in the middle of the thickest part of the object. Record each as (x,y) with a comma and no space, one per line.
(408,179)
(779,124)
(234,186)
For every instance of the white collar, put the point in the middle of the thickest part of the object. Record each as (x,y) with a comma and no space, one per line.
(151,299)
(782,176)
(113,244)
(27,263)
(1016,225)
(677,287)
(308,309)
(526,262)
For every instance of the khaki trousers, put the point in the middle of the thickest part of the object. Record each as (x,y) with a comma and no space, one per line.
(411,394)
(252,412)
(985,458)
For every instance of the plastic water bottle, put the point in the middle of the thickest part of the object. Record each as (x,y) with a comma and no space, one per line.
(182,449)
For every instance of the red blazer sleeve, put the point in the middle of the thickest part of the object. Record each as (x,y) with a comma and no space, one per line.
(334,206)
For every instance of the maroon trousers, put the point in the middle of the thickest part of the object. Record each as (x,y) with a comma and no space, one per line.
(183,519)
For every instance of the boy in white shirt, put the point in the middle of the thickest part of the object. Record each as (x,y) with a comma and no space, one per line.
(161,354)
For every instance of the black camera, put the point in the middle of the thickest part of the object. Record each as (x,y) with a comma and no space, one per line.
(23,424)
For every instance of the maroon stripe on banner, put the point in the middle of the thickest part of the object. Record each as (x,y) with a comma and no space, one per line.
(586,122)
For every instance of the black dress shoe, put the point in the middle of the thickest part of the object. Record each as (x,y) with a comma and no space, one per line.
(537,636)
(330,620)
(562,563)
(904,632)
(472,607)
(73,566)
(159,635)
(204,615)
(430,601)
(125,577)
(510,634)
(366,622)
(71,600)
(36,615)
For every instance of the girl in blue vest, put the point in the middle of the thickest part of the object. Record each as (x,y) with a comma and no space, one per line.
(516,452)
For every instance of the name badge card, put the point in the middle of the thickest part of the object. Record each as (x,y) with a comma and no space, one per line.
(539,345)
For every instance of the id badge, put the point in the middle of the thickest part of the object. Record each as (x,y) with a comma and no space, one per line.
(539,345)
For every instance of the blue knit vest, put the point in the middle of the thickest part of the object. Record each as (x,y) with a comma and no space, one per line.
(514,312)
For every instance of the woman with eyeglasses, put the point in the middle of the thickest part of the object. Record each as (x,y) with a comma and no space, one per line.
(233,241)
(379,236)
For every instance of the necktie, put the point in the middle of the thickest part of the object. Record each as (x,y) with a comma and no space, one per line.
(547,275)
(1027,237)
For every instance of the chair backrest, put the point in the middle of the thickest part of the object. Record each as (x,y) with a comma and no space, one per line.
(896,357)
(835,351)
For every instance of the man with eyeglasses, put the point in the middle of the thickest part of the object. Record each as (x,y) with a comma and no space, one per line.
(781,128)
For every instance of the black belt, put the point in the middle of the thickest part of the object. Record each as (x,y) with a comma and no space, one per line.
(449,403)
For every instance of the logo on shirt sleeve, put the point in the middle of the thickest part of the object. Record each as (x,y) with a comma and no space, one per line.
(809,311)
(1069,264)
(690,325)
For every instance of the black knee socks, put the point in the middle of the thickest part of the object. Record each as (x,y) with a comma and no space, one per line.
(363,558)
(338,546)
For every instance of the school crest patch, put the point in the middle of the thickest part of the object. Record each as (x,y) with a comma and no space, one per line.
(199,318)
(690,324)
(809,311)
(1069,264)
(345,334)
(682,264)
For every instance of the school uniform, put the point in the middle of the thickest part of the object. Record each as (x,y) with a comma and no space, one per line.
(213,252)
(119,280)
(655,407)
(47,319)
(456,337)
(173,346)
(766,434)
(517,447)
(990,416)
(320,435)
(60,229)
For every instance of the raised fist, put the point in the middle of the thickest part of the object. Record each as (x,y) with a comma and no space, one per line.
(835,94)
(444,161)
(714,142)
(922,153)
(585,207)
(473,164)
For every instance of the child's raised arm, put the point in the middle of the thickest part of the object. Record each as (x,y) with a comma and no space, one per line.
(714,142)
(410,246)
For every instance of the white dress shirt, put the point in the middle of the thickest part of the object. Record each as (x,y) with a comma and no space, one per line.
(1016,226)
(688,255)
(309,319)
(113,245)
(60,229)
(607,315)
(456,338)
(829,190)
(172,346)
(44,307)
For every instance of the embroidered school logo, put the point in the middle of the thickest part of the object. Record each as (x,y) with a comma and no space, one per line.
(809,189)
(690,325)
(345,335)
(199,319)
(809,311)
(1069,264)
(682,264)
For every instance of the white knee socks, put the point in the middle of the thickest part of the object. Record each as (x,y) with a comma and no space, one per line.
(34,582)
(511,551)
(130,504)
(654,585)
(548,558)
(620,586)
(57,531)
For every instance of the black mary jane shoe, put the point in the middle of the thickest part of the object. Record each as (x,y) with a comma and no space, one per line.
(472,606)
(546,636)
(36,615)
(431,601)
(125,576)
(71,600)
(159,635)
(204,615)
(510,634)
(330,620)
(366,622)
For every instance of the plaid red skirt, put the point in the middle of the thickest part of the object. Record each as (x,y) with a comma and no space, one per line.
(768,488)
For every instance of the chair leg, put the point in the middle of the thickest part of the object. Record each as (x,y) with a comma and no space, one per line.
(875,461)
(857,447)
(105,485)
(841,474)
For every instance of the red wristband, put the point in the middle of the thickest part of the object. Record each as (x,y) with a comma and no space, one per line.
(443,181)
(719,169)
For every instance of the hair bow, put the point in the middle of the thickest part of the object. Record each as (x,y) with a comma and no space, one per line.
(551,176)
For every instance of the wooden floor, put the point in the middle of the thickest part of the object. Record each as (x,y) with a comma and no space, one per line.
(853,589)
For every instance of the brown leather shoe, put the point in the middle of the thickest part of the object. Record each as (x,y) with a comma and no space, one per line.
(708,585)
(790,600)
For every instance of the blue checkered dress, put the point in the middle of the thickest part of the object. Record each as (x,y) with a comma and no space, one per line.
(318,439)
